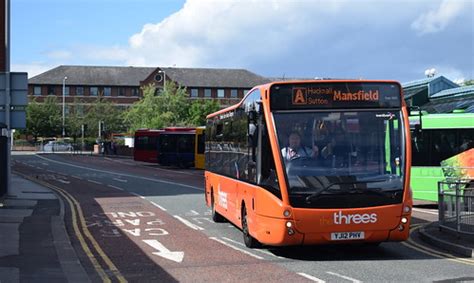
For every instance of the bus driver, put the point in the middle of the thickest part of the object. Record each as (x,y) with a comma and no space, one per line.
(295,150)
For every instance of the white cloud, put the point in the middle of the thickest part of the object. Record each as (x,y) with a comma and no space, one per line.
(206,33)
(436,20)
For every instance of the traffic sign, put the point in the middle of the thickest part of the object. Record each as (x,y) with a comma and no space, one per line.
(18,101)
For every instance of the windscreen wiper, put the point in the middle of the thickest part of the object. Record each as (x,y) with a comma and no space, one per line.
(355,189)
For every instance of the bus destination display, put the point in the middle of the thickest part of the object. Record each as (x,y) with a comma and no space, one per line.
(335,95)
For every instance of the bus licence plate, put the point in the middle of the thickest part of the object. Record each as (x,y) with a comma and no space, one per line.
(337,236)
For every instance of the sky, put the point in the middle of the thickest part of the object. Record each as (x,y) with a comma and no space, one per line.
(369,39)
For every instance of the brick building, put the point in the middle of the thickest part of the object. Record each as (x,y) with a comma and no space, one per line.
(121,85)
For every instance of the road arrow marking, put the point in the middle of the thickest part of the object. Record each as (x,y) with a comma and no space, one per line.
(164,252)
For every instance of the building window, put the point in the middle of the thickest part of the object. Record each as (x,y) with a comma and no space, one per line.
(51,90)
(135,91)
(66,91)
(107,91)
(220,93)
(79,90)
(194,92)
(67,110)
(94,91)
(207,92)
(245,91)
(233,93)
(121,91)
(37,90)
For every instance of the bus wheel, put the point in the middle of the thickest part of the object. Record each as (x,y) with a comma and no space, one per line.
(216,217)
(249,241)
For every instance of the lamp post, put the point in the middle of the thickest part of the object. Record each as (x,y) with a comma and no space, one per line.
(164,77)
(64,101)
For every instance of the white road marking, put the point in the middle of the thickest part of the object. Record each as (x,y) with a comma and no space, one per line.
(50,171)
(342,276)
(164,252)
(191,213)
(157,205)
(120,180)
(125,175)
(76,177)
(189,224)
(95,182)
(236,248)
(258,250)
(63,181)
(118,188)
(425,211)
(310,277)
(135,194)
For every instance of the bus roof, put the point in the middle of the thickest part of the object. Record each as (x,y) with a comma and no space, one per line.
(317,81)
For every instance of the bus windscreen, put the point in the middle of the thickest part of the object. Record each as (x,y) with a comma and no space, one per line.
(335,95)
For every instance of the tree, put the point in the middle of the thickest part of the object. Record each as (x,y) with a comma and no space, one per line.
(143,113)
(75,119)
(200,109)
(168,107)
(43,119)
(469,82)
(105,112)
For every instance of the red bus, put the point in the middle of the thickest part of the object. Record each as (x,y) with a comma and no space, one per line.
(146,145)
(312,162)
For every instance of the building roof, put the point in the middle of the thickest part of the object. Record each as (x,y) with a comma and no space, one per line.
(205,77)
(448,105)
(432,85)
(93,75)
(132,76)
(418,83)
(455,92)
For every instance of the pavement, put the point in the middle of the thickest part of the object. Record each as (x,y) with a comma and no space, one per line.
(35,245)
(452,242)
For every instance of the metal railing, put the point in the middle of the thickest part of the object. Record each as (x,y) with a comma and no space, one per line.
(456,205)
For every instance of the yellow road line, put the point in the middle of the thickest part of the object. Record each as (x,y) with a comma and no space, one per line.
(73,203)
(427,250)
(82,241)
(97,247)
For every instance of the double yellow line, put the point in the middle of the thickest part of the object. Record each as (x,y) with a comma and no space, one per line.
(81,231)
(427,250)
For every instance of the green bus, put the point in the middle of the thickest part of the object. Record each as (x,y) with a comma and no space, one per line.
(436,138)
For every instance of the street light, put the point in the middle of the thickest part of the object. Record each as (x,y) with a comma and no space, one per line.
(64,100)
(164,77)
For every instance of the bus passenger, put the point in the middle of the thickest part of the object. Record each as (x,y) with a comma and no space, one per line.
(295,150)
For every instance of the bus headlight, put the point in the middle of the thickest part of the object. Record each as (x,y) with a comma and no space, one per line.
(404,220)
(289,224)
(286,213)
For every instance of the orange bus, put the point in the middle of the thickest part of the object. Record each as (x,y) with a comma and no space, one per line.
(312,162)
